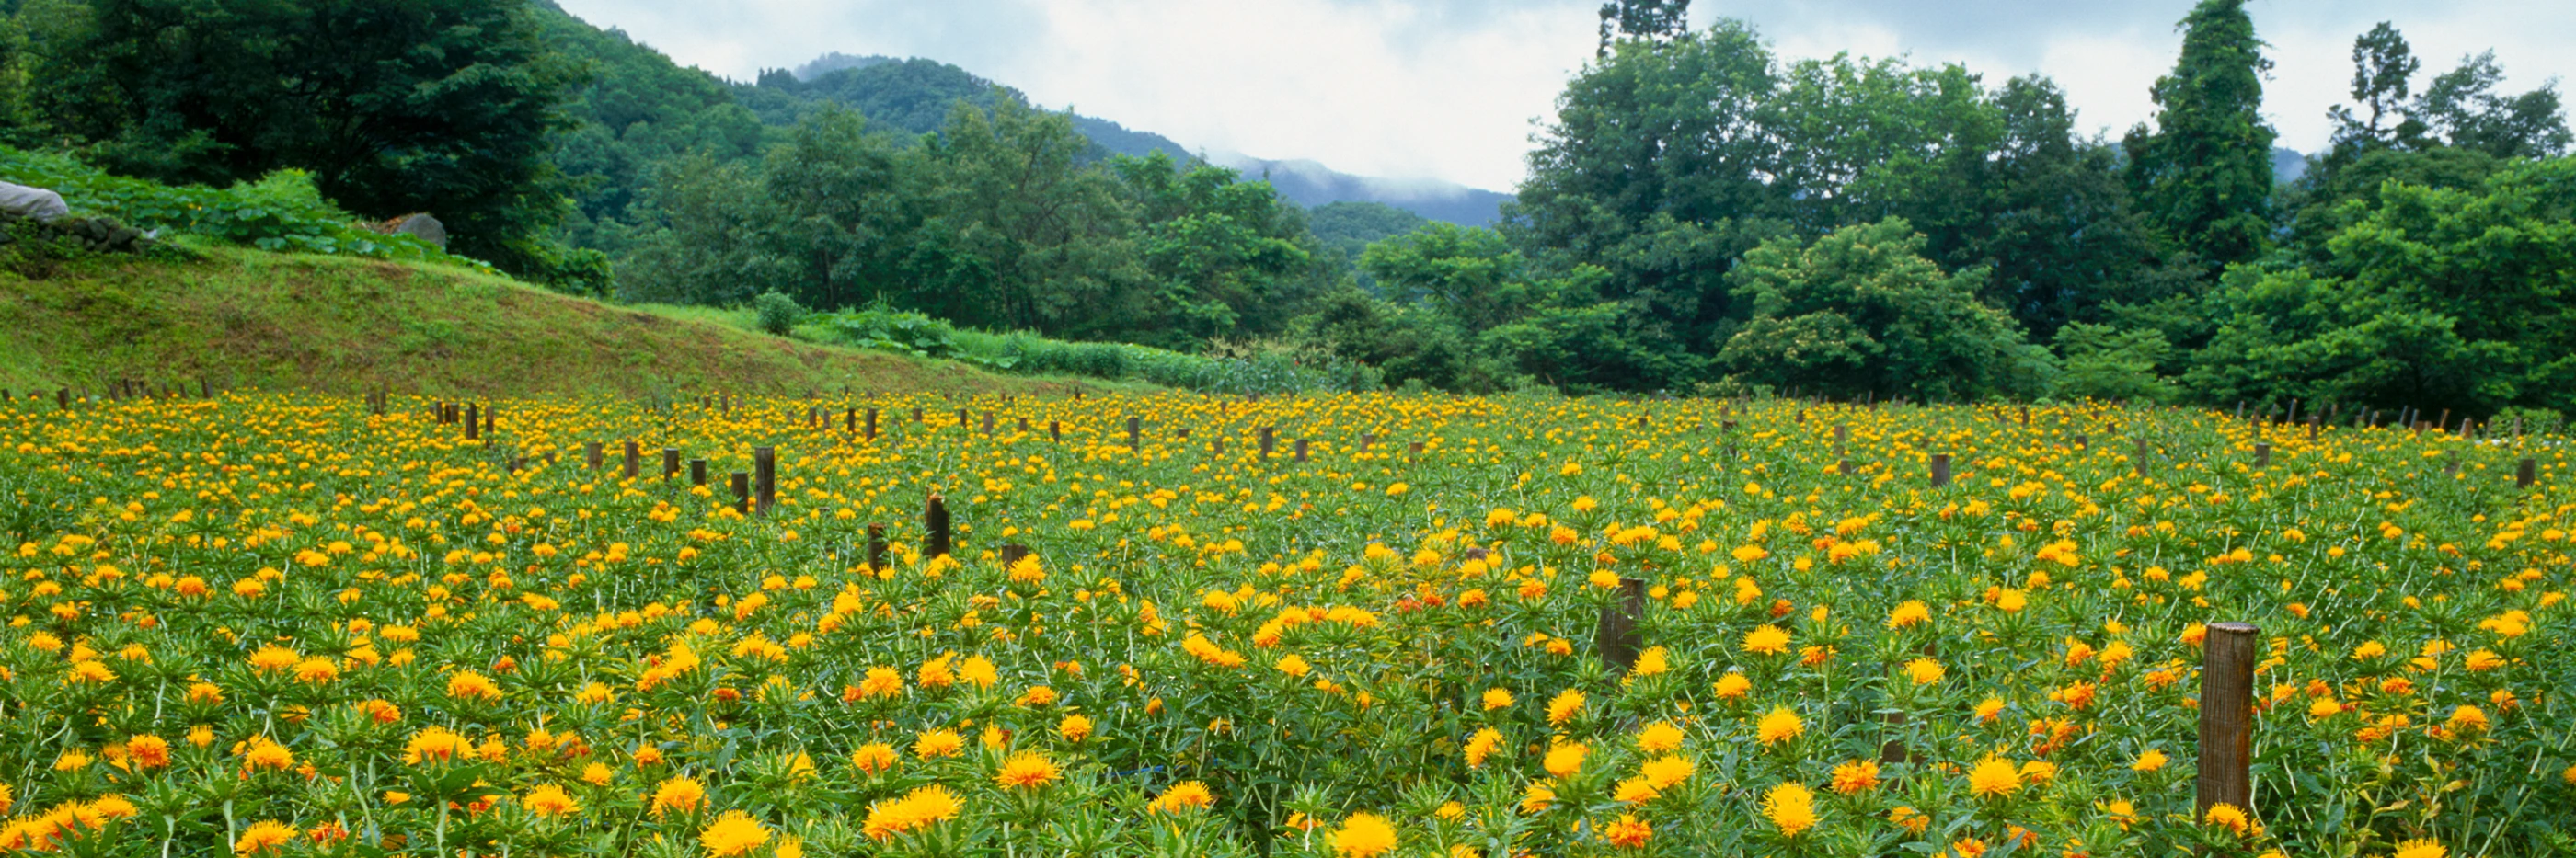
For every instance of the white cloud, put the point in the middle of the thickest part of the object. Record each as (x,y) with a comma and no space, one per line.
(1448,88)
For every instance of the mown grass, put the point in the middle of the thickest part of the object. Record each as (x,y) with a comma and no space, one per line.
(249,318)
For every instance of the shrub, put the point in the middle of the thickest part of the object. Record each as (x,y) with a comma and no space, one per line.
(887,329)
(778,313)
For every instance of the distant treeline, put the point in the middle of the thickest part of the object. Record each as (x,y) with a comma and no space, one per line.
(1701,215)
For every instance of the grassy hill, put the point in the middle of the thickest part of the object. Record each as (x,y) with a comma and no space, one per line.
(250,318)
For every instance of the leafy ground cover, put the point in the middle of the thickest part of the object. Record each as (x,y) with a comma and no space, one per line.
(276,624)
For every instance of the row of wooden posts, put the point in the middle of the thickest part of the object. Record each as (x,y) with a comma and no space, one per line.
(121,389)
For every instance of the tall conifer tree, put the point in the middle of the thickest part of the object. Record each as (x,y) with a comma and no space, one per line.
(2204,175)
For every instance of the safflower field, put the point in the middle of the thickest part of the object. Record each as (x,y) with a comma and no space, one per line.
(292,624)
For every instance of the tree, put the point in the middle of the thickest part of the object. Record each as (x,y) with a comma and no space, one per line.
(395,106)
(2204,175)
(2453,134)
(2052,221)
(1659,170)
(1642,19)
(2383,72)
(1228,258)
(2462,106)
(2426,297)
(1861,311)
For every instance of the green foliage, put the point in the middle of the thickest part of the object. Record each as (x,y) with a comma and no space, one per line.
(777,313)
(1266,369)
(886,329)
(2204,175)
(282,211)
(1860,312)
(997,222)
(1346,229)
(2103,362)
(443,107)
(1629,179)
(635,111)
(2425,297)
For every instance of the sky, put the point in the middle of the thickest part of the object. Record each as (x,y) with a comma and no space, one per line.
(1454,89)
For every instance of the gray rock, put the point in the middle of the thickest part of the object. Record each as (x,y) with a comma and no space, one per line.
(426,228)
(36,203)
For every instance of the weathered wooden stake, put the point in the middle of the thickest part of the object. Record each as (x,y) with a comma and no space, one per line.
(1940,470)
(1013,552)
(1055,431)
(934,519)
(1619,640)
(2262,454)
(764,466)
(697,472)
(473,423)
(670,463)
(1301,449)
(634,459)
(2227,717)
(593,450)
(1135,430)
(876,547)
(2526,473)
(872,424)
(741,493)
(1269,440)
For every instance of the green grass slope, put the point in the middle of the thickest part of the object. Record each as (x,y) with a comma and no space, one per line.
(250,318)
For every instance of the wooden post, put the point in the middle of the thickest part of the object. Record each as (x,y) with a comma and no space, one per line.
(916,414)
(2227,717)
(2313,425)
(2140,459)
(1269,440)
(1301,449)
(697,472)
(741,493)
(1413,447)
(473,423)
(593,450)
(876,547)
(1055,431)
(850,422)
(670,463)
(2526,473)
(872,424)
(2262,454)
(634,459)
(988,423)
(1843,467)
(2083,441)
(1013,552)
(934,520)
(1618,640)
(1135,429)
(1940,470)
(764,466)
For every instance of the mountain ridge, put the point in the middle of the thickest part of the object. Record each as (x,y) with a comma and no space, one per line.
(913,94)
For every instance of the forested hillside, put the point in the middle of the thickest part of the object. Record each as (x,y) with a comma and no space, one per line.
(1701,215)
